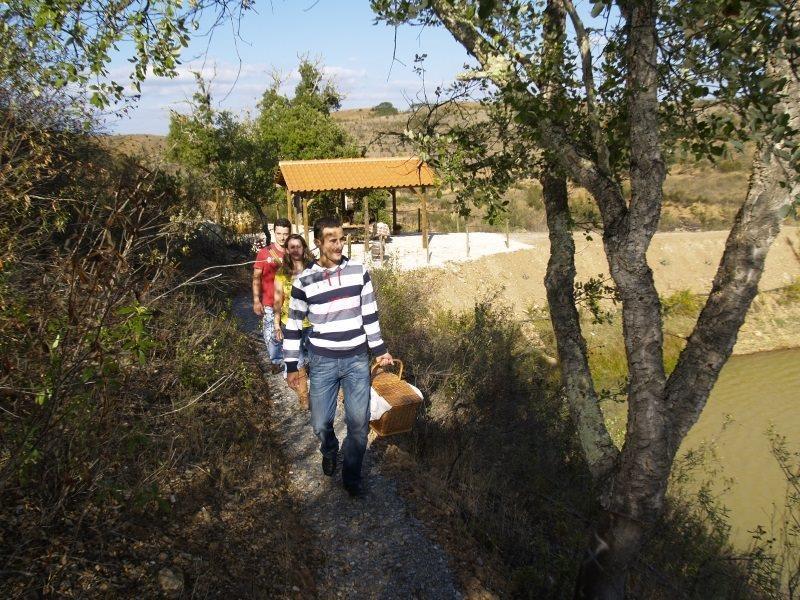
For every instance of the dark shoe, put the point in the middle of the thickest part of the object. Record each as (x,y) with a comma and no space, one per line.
(356,490)
(329,464)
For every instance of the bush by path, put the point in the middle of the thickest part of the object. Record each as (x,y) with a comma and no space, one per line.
(494,456)
(135,450)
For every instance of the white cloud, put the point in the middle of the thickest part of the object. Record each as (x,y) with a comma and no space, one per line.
(238,88)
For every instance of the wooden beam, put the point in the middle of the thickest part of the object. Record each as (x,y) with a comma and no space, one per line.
(289,205)
(306,203)
(366,228)
(394,210)
(423,204)
(306,213)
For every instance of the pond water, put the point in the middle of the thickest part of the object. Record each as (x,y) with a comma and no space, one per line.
(754,392)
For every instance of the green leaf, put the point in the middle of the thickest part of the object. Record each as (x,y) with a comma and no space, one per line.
(485,8)
(96,99)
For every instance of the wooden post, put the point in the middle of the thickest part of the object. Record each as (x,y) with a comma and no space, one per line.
(306,204)
(423,201)
(458,223)
(289,205)
(383,247)
(366,228)
(466,230)
(507,233)
(349,246)
(394,211)
(419,222)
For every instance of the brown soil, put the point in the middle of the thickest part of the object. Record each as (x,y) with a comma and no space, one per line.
(680,261)
(231,529)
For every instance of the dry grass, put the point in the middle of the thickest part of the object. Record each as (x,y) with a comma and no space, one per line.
(137,144)
(129,441)
(698,195)
(493,460)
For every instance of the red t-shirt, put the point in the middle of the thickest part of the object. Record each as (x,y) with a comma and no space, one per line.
(268,260)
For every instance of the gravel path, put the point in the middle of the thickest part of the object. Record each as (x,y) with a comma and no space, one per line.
(373,547)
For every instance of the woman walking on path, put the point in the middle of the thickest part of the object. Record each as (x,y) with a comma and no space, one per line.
(295,261)
(268,260)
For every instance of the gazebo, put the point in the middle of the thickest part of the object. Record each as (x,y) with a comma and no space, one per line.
(306,178)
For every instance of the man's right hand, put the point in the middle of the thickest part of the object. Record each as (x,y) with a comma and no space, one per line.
(258,308)
(293,379)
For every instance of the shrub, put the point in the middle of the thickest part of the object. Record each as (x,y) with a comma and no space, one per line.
(121,409)
(499,461)
(791,293)
(384,109)
(682,303)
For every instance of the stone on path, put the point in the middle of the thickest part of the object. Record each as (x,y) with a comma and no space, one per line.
(170,581)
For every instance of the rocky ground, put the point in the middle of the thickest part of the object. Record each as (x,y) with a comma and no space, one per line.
(372,547)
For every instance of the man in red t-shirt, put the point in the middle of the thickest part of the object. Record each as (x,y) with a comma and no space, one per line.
(268,260)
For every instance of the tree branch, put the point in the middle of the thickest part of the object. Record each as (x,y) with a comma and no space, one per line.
(645,462)
(554,137)
(773,186)
(599,450)
(600,146)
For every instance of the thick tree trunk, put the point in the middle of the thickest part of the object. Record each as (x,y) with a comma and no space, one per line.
(604,569)
(637,494)
(599,450)
(659,414)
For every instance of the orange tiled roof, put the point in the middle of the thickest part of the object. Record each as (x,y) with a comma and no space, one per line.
(354,174)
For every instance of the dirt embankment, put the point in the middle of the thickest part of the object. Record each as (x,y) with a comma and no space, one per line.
(680,261)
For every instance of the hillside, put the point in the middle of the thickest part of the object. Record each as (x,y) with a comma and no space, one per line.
(680,261)
(137,144)
(373,132)
(697,195)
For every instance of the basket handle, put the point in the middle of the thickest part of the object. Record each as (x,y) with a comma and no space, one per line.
(376,366)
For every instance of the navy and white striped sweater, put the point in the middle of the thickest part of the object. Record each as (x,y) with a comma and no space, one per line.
(340,304)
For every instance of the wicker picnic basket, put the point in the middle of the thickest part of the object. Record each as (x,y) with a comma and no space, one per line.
(404,400)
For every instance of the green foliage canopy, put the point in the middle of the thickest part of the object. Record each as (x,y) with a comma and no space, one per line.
(241,155)
(55,44)
(717,86)
(229,151)
(384,109)
(301,127)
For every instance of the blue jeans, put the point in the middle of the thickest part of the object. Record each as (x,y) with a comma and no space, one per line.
(326,375)
(274,347)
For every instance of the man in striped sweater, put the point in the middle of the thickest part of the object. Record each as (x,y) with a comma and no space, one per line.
(337,297)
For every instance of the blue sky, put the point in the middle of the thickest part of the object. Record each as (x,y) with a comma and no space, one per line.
(356,53)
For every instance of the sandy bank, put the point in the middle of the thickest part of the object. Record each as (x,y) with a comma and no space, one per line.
(680,261)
